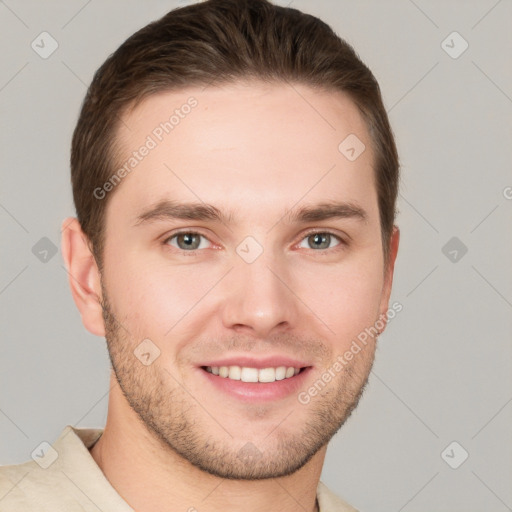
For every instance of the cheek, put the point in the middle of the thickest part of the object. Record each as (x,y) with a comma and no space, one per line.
(345,297)
(151,299)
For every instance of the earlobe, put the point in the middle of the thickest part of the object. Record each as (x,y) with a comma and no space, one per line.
(83,275)
(388,277)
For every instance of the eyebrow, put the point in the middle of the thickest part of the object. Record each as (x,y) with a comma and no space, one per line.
(168,210)
(171,210)
(327,210)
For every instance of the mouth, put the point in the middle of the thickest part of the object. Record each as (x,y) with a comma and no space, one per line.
(256,381)
(249,374)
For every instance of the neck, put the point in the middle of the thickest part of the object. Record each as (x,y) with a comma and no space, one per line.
(151,477)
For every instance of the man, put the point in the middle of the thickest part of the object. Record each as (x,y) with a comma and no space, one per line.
(235,180)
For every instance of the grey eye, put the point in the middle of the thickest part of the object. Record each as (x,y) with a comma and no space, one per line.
(188,241)
(320,241)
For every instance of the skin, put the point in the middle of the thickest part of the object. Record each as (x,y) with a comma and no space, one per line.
(256,152)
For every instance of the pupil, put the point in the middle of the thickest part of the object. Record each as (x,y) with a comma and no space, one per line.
(189,240)
(320,239)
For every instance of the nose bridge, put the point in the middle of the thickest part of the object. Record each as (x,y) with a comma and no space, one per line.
(257,298)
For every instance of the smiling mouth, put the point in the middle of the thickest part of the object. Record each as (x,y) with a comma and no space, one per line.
(248,374)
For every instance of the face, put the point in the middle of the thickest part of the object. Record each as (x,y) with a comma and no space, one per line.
(242,258)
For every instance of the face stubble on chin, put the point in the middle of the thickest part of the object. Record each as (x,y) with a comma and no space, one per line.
(179,422)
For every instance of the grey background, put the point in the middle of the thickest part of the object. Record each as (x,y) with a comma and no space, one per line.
(443,367)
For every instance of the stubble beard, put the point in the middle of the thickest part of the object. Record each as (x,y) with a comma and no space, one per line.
(179,422)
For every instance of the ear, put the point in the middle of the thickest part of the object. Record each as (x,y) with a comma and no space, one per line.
(388,275)
(84,276)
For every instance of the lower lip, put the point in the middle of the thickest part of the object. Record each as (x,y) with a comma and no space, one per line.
(258,391)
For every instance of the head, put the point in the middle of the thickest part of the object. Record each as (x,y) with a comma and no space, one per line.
(222,222)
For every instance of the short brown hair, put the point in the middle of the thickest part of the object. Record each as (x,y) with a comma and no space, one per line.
(217,42)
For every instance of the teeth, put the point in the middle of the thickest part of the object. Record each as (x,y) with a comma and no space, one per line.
(235,372)
(280,372)
(246,374)
(266,375)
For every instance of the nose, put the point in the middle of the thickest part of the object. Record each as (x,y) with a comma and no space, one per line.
(259,299)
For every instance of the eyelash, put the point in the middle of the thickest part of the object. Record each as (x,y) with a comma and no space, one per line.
(342,243)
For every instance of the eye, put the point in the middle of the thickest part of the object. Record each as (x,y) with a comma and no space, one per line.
(188,241)
(320,240)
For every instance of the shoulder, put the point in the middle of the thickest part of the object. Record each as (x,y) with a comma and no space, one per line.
(49,481)
(28,487)
(330,502)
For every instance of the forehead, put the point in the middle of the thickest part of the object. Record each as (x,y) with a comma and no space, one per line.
(234,144)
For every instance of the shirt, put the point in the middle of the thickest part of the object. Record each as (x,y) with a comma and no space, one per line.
(64,477)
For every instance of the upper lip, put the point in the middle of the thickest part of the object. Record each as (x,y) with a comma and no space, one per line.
(252,362)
